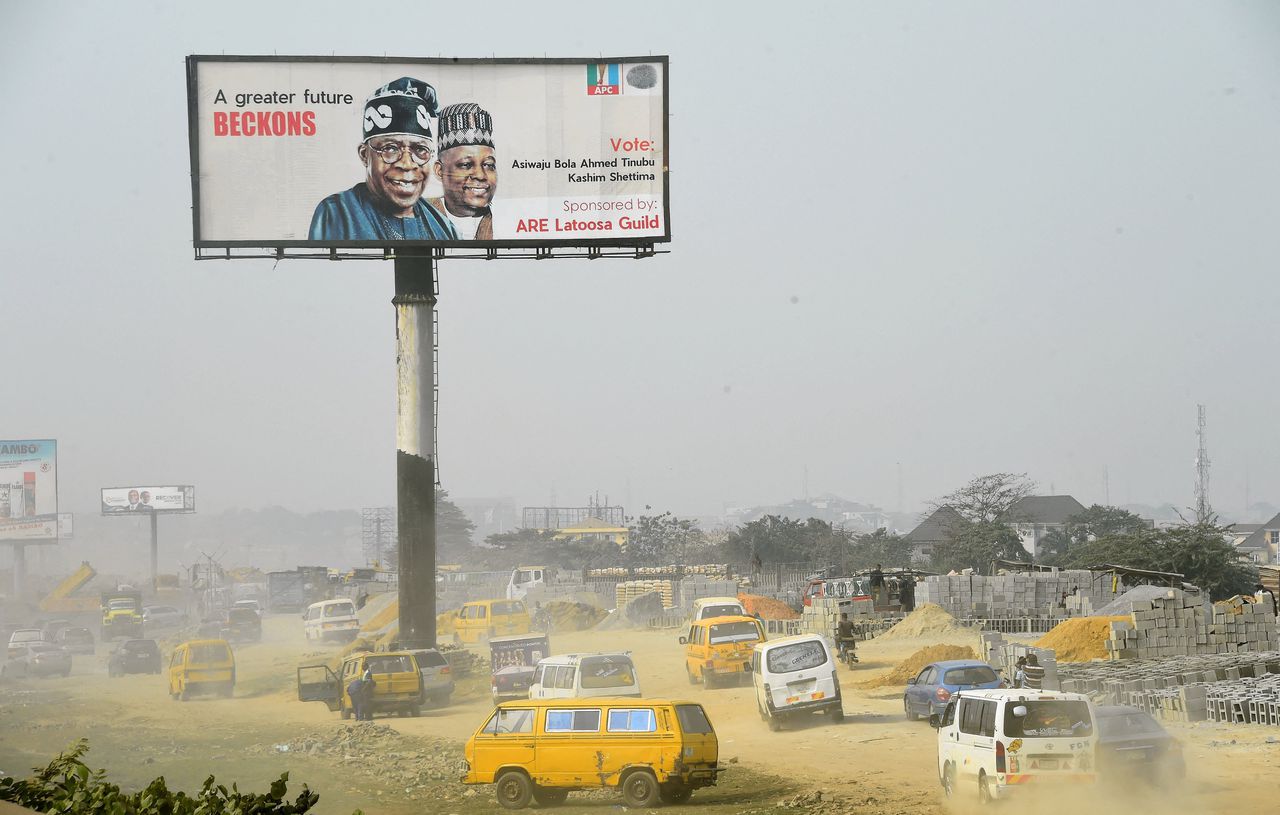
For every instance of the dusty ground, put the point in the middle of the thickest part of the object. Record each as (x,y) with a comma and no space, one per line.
(875,762)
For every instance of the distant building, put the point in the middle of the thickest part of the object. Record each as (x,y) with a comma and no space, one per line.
(833,509)
(490,515)
(564,517)
(933,530)
(595,530)
(1036,516)
(1262,544)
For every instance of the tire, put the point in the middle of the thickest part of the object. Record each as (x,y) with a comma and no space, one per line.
(513,790)
(549,796)
(836,712)
(709,680)
(906,707)
(693,680)
(227,691)
(640,790)
(775,723)
(415,711)
(984,790)
(949,781)
(183,695)
(674,793)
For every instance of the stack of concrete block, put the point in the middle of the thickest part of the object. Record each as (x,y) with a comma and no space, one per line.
(1179,624)
(1017,595)
(823,616)
(695,587)
(630,589)
(1003,656)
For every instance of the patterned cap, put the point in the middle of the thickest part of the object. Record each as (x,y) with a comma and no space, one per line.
(465,123)
(405,105)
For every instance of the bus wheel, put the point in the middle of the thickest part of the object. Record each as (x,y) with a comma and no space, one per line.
(514,790)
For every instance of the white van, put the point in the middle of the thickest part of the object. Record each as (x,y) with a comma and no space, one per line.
(794,676)
(990,741)
(331,620)
(570,676)
(708,607)
(524,578)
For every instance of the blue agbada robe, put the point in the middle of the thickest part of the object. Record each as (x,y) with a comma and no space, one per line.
(353,215)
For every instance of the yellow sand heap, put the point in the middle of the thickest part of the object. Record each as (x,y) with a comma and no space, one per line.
(569,615)
(767,607)
(915,663)
(1080,639)
(926,621)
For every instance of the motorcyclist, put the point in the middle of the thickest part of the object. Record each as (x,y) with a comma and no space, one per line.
(845,639)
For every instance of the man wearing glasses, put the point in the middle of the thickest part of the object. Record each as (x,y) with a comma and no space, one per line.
(396,150)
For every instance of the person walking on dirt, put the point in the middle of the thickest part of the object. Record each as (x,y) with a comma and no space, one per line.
(355,690)
(1020,673)
(1033,673)
(366,693)
(907,592)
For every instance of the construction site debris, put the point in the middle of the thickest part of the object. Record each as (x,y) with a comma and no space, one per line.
(568,615)
(636,613)
(767,607)
(926,621)
(1178,624)
(912,665)
(1080,639)
(399,759)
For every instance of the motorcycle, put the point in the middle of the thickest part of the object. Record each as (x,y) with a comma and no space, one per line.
(848,655)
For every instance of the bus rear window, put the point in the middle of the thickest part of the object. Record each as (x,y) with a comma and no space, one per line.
(607,672)
(1056,718)
(693,719)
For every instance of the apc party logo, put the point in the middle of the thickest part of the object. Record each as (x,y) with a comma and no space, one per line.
(607,79)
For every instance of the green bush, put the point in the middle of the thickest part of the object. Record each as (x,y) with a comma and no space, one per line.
(67,785)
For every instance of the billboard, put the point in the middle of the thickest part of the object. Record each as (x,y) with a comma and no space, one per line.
(123,500)
(29,489)
(331,152)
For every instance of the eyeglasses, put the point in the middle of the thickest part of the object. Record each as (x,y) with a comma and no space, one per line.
(391,152)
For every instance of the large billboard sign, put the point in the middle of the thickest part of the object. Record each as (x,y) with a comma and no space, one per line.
(169,500)
(326,152)
(29,489)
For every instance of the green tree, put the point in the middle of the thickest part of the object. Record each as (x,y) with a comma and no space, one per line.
(453,527)
(1100,521)
(775,539)
(877,547)
(987,498)
(663,539)
(971,545)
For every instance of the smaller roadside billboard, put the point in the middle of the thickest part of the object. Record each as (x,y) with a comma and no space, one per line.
(143,499)
(28,489)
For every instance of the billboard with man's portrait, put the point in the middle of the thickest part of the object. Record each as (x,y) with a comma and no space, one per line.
(29,489)
(122,500)
(325,152)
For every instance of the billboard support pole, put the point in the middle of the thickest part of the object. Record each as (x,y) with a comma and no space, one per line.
(19,571)
(155,548)
(415,303)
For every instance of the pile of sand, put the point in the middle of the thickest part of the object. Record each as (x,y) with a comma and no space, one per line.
(1080,639)
(767,607)
(912,665)
(636,613)
(928,620)
(568,615)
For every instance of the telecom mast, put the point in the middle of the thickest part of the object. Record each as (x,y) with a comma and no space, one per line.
(1203,510)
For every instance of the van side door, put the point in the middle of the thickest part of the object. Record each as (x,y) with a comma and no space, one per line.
(318,683)
(976,749)
(507,740)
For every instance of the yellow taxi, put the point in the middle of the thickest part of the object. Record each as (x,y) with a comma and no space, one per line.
(482,620)
(397,683)
(198,666)
(652,750)
(719,649)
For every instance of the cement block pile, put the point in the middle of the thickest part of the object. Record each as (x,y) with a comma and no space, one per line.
(823,615)
(697,586)
(1193,688)
(1180,624)
(1003,656)
(1017,595)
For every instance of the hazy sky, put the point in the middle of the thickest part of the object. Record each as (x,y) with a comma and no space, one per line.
(965,237)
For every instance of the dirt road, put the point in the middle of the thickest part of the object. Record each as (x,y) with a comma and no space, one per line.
(875,762)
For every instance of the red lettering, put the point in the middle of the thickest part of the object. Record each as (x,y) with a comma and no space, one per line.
(531,225)
(309,123)
(631,145)
(235,123)
(219,123)
(264,123)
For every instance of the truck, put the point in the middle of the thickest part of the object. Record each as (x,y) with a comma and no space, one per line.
(293,591)
(512,660)
(121,614)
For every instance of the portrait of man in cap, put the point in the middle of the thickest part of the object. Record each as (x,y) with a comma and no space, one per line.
(395,152)
(467,170)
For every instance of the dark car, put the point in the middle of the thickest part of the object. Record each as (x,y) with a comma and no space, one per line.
(1131,744)
(76,640)
(512,682)
(134,657)
(38,659)
(243,624)
(930,690)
